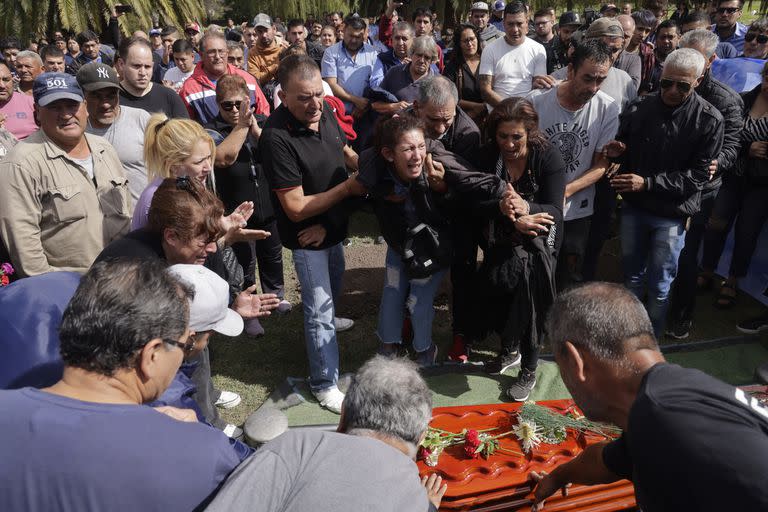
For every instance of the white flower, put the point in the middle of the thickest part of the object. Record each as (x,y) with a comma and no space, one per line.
(528,432)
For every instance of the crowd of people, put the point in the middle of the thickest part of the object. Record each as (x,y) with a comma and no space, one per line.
(174,166)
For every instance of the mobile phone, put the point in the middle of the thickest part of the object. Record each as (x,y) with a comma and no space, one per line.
(121,9)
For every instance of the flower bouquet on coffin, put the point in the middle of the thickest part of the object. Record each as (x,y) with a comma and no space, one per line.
(6,270)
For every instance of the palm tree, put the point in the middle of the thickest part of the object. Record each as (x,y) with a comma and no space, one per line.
(38,17)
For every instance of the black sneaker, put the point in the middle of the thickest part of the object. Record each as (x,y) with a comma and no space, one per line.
(427,358)
(753,325)
(503,362)
(521,389)
(679,330)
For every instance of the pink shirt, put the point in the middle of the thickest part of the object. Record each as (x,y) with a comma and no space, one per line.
(21,120)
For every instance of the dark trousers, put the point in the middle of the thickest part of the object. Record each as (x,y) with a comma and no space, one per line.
(571,256)
(745,203)
(206,395)
(599,229)
(683,294)
(268,253)
(463,279)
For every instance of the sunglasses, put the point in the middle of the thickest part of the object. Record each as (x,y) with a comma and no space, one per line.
(761,39)
(683,87)
(727,10)
(186,347)
(229,106)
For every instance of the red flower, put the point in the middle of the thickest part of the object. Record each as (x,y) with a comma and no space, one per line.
(471,444)
(4,280)
(424,453)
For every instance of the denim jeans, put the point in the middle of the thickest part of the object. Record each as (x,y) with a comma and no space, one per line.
(418,295)
(650,247)
(320,273)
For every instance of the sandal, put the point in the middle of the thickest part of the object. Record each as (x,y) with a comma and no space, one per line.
(725,300)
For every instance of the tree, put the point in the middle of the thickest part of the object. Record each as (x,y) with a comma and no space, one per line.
(38,17)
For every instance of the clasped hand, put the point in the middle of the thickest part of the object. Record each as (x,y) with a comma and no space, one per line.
(512,205)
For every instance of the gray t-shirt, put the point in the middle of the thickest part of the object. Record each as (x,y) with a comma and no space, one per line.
(578,135)
(324,471)
(618,85)
(126,134)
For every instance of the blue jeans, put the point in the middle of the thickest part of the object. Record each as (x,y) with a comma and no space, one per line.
(650,247)
(320,273)
(418,295)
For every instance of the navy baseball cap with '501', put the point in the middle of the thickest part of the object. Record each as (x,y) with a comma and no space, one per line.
(50,87)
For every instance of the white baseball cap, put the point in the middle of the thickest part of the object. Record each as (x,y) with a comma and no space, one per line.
(209,309)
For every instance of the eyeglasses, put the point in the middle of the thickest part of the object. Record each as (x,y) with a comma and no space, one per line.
(727,10)
(229,106)
(683,87)
(186,347)
(761,39)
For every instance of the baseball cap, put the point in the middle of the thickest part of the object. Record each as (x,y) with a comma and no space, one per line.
(209,309)
(155,32)
(569,18)
(95,75)
(604,27)
(193,25)
(262,20)
(479,6)
(499,5)
(608,7)
(50,87)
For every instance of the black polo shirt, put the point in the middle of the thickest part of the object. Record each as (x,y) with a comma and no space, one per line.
(295,156)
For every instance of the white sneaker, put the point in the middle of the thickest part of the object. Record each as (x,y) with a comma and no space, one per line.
(343,324)
(233,431)
(228,400)
(330,398)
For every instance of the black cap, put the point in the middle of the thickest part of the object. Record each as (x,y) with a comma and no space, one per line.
(569,18)
(95,75)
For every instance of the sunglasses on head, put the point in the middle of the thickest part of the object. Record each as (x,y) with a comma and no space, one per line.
(229,106)
(727,10)
(761,39)
(683,87)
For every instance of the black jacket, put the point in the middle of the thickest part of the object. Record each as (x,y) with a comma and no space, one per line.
(244,180)
(729,104)
(462,137)
(429,207)
(671,148)
(751,167)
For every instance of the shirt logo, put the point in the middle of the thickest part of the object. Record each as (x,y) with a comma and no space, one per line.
(570,140)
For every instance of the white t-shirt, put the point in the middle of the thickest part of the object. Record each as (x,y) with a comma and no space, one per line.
(578,135)
(513,67)
(176,77)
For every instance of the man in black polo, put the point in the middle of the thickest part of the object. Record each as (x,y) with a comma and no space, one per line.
(305,156)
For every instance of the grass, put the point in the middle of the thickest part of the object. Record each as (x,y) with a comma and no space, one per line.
(254,367)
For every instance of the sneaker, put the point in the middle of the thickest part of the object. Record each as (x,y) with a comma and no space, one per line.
(228,400)
(427,358)
(679,330)
(521,389)
(459,351)
(343,324)
(233,431)
(503,362)
(347,242)
(283,307)
(389,350)
(330,398)
(753,325)
(379,240)
(253,327)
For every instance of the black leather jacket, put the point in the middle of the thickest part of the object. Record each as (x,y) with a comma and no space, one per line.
(671,148)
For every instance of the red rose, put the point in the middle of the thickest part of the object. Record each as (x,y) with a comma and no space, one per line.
(424,453)
(471,444)
(4,280)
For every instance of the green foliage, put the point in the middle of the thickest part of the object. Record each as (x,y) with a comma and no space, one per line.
(27,18)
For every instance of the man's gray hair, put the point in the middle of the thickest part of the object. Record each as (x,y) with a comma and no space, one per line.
(424,45)
(388,396)
(686,59)
(599,318)
(437,90)
(704,39)
(403,26)
(29,54)
(211,35)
